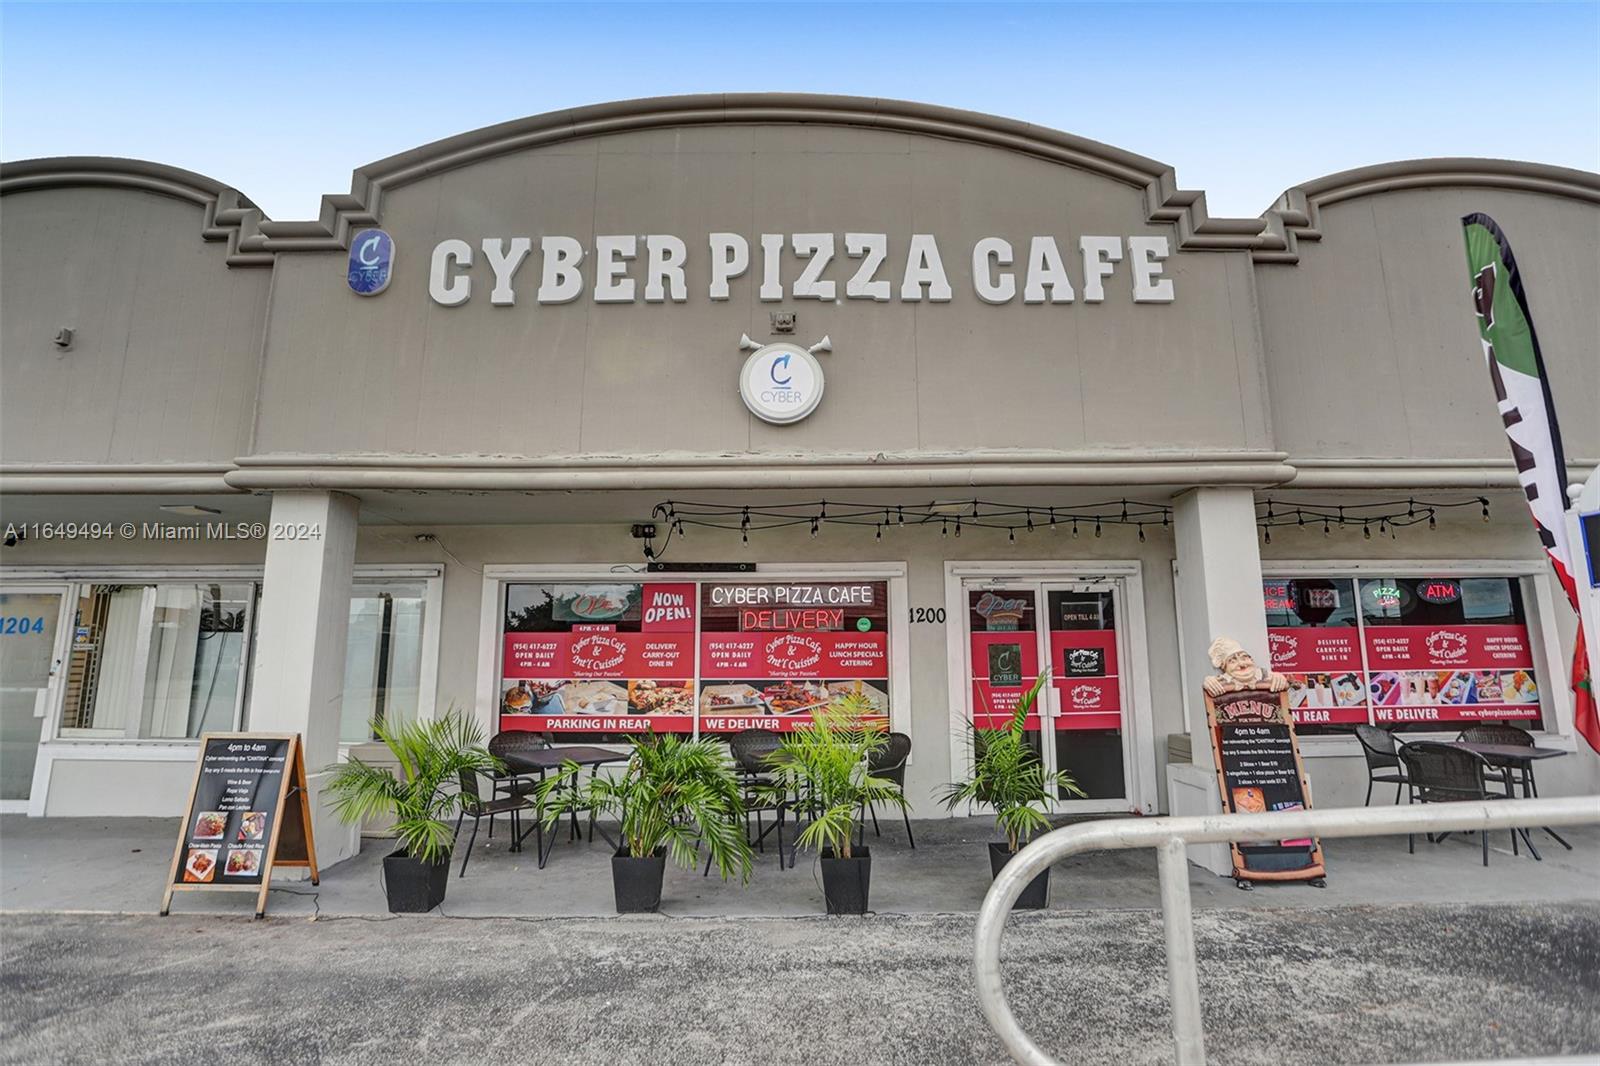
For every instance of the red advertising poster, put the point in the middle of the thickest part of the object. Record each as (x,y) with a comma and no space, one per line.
(1436,650)
(1084,671)
(599,658)
(1005,654)
(1326,685)
(771,652)
(1451,673)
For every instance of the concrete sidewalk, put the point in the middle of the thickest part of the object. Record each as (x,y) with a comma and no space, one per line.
(1409,983)
(120,866)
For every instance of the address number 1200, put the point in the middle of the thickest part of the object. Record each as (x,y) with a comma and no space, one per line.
(931,615)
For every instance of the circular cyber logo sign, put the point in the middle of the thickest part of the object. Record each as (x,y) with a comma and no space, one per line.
(781,383)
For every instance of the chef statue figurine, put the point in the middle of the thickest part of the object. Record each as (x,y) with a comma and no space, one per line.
(1239,670)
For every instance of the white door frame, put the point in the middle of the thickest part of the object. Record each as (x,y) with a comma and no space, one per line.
(47,699)
(1132,650)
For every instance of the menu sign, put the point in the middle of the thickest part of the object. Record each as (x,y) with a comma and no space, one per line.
(772,652)
(236,826)
(1259,770)
(599,658)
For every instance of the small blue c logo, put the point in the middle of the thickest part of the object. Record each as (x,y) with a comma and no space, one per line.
(783,362)
(371,263)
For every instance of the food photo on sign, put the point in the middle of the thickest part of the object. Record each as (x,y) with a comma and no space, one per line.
(598,658)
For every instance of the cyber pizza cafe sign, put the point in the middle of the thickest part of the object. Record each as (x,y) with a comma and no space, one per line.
(620,268)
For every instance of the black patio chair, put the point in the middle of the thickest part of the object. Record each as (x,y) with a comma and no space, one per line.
(511,782)
(1443,773)
(751,749)
(888,761)
(1509,774)
(1383,760)
(474,806)
(508,744)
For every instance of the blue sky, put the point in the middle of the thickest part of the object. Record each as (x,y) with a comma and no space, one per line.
(1245,100)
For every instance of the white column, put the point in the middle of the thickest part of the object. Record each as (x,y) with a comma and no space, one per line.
(298,681)
(1218,594)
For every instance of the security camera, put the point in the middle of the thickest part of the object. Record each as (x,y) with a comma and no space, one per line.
(11,540)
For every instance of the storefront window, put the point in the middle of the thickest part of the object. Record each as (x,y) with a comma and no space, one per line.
(604,661)
(769,653)
(383,657)
(1411,653)
(156,661)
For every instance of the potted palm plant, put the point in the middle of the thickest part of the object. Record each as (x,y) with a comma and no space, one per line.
(420,796)
(1008,775)
(826,767)
(673,795)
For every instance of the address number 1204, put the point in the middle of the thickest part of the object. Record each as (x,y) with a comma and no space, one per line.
(931,615)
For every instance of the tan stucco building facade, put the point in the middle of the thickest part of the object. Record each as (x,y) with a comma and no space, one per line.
(1021,325)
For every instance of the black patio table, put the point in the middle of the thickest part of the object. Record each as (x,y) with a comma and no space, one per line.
(546,759)
(1514,755)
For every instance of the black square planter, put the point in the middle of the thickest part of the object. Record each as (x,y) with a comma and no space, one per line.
(847,883)
(414,886)
(637,882)
(1036,895)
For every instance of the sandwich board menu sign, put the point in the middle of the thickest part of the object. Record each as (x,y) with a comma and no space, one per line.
(1259,770)
(248,811)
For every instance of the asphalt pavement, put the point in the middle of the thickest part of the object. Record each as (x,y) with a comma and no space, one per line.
(1396,983)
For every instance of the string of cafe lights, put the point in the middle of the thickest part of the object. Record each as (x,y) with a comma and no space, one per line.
(1387,516)
(951,517)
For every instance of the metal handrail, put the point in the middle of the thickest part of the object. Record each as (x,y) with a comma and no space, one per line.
(1170,837)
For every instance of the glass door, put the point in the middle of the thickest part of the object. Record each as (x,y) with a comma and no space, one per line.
(32,639)
(1088,692)
(1079,725)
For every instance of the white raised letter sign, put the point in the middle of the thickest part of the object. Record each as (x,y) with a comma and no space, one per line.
(923,267)
(771,253)
(561,281)
(818,248)
(989,290)
(999,270)
(505,264)
(1149,287)
(1046,271)
(730,258)
(664,259)
(1099,253)
(444,289)
(610,254)
(861,286)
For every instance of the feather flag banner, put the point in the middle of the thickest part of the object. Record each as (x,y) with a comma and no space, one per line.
(1522,391)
